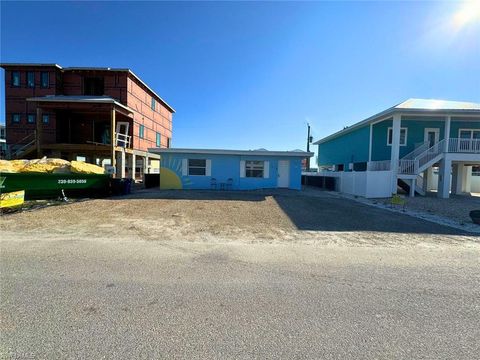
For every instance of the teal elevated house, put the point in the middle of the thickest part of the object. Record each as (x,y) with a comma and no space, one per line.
(401,147)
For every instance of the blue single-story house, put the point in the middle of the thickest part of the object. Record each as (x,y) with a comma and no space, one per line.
(400,146)
(229,169)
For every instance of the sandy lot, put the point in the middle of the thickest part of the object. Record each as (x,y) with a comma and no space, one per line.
(271,217)
(258,275)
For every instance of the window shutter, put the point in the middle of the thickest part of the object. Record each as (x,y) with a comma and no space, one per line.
(208,170)
(242,168)
(266,169)
(184,167)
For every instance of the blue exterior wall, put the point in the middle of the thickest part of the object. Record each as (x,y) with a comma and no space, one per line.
(224,167)
(351,147)
(458,123)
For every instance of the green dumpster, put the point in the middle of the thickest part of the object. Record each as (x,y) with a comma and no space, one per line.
(48,185)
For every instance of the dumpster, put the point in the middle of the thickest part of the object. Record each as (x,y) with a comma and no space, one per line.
(50,185)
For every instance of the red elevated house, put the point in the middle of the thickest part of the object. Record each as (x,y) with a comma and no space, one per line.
(100,115)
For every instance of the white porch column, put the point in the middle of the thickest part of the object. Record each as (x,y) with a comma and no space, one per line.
(413,184)
(447,131)
(444,172)
(457,178)
(145,165)
(131,173)
(467,179)
(395,151)
(121,164)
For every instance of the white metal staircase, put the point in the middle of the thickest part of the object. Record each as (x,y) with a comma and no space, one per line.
(412,165)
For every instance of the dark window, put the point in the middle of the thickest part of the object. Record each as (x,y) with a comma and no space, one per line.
(93,86)
(141,132)
(16,78)
(340,167)
(152,104)
(16,118)
(168,142)
(45,119)
(31,118)
(254,168)
(44,79)
(157,140)
(197,167)
(30,79)
(360,166)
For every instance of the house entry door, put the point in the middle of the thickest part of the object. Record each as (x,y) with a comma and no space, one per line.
(283,173)
(432,135)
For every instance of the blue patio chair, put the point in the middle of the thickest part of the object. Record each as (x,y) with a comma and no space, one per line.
(213,183)
(229,183)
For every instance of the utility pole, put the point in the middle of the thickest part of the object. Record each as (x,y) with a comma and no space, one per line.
(309,140)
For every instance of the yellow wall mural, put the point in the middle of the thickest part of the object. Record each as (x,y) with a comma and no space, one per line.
(169,179)
(170,175)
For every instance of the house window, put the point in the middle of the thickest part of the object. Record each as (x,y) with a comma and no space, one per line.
(44,79)
(93,86)
(141,132)
(157,139)
(254,169)
(31,118)
(152,104)
(403,136)
(45,119)
(30,79)
(168,142)
(197,167)
(16,78)
(15,118)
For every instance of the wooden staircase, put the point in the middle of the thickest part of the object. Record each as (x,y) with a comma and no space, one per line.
(23,148)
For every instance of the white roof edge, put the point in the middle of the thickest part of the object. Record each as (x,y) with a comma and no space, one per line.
(66,98)
(230,152)
(389,112)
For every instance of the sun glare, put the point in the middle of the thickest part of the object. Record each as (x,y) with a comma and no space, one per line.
(468,13)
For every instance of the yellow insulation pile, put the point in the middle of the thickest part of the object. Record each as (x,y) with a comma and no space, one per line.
(45,165)
(85,168)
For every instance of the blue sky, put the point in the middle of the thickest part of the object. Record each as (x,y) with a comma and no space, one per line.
(250,75)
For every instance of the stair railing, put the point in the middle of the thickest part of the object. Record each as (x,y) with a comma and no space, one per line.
(417,151)
(24,144)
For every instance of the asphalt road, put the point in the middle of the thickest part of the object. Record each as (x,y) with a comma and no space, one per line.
(93,299)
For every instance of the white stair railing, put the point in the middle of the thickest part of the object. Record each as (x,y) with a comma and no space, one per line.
(417,151)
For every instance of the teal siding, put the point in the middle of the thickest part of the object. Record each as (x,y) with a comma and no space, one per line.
(416,131)
(415,135)
(465,123)
(351,147)
(380,149)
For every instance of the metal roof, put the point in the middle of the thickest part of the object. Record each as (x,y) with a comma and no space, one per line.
(433,104)
(231,152)
(96,69)
(426,106)
(30,65)
(80,99)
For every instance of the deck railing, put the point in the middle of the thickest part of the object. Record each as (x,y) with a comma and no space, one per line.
(407,166)
(456,145)
(383,165)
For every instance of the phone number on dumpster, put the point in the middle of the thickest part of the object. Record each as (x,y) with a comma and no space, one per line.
(72,181)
